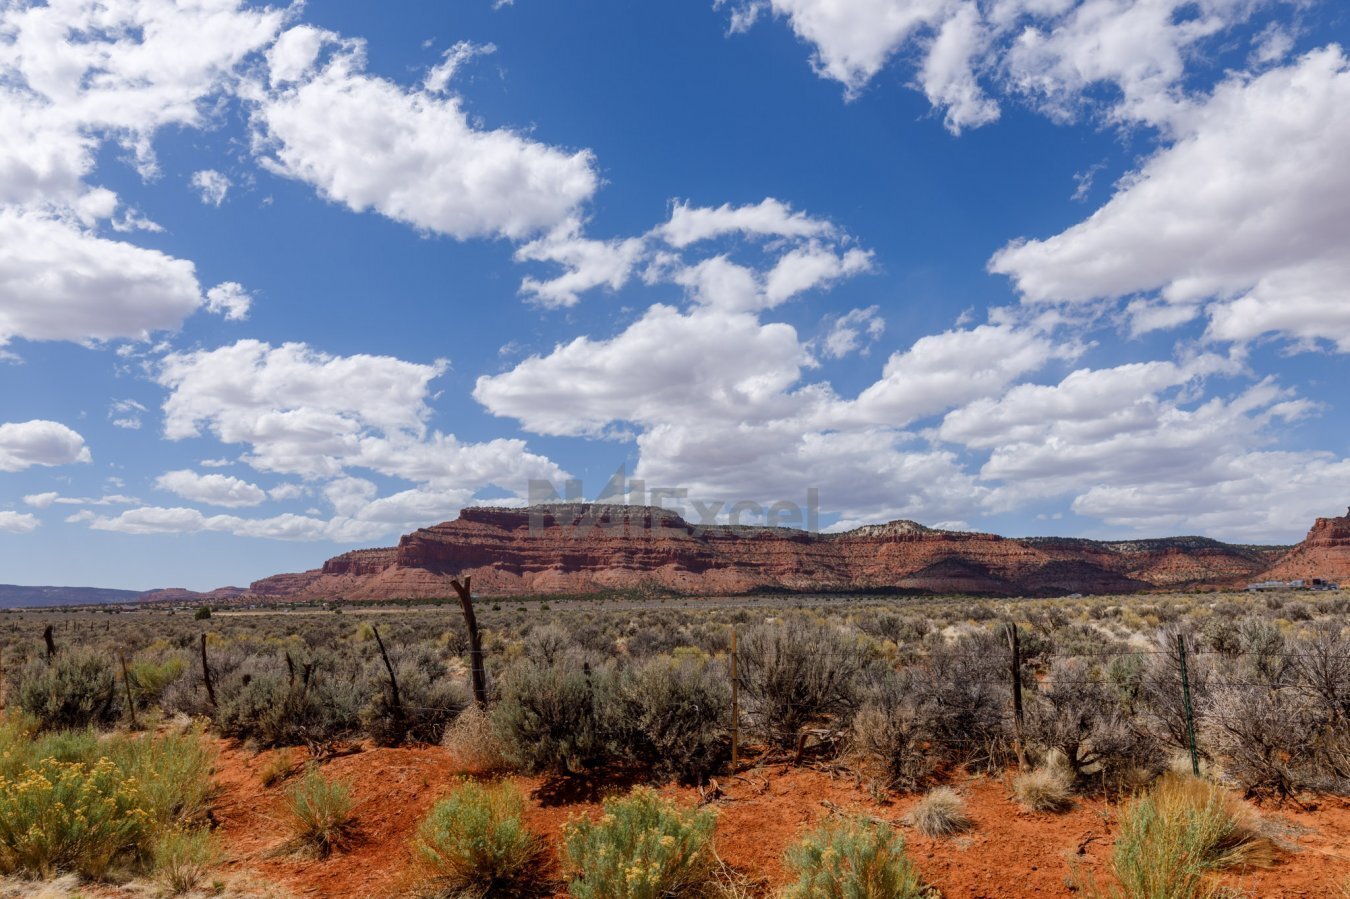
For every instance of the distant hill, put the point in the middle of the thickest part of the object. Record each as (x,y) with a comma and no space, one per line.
(15,596)
(561,549)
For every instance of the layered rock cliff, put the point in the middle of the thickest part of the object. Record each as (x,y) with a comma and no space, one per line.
(588,548)
(1324,553)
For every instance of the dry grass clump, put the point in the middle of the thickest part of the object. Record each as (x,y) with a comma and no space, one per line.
(1178,834)
(1045,788)
(182,857)
(321,813)
(279,766)
(939,814)
(474,743)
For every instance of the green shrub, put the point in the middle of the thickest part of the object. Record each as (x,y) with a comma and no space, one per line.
(474,843)
(679,711)
(173,772)
(22,746)
(429,701)
(182,857)
(70,816)
(202,613)
(1178,833)
(892,737)
(555,717)
(150,679)
(852,859)
(74,690)
(642,847)
(321,813)
(274,709)
(795,673)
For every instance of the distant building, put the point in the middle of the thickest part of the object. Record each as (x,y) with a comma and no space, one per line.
(1315,583)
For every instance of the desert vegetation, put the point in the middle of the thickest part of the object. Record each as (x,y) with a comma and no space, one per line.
(906,694)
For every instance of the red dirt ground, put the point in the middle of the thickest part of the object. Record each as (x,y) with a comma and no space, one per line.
(1009,852)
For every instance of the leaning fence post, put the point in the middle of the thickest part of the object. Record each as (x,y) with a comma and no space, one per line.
(1186,700)
(393,681)
(51,644)
(206,675)
(126,682)
(476,672)
(1015,645)
(735,703)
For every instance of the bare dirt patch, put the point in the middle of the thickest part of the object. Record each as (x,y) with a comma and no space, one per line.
(1009,851)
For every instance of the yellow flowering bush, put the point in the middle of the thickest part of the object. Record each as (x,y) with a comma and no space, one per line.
(852,859)
(474,842)
(642,847)
(70,816)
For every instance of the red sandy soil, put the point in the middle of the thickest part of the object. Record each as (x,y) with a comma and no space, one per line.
(1009,852)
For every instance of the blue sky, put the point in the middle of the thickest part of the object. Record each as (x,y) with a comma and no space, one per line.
(280,281)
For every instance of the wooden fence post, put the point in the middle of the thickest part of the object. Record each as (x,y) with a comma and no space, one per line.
(51,643)
(476,672)
(126,683)
(1015,645)
(206,675)
(735,704)
(1186,701)
(393,682)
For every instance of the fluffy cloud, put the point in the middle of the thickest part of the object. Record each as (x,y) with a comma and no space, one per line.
(945,370)
(74,76)
(126,414)
(715,395)
(806,253)
(1251,496)
(307,413)
(211,489)
(45,500)
(409,154)
(853,332)
(17,522)
(77,71)
(59,281)
(212,186)
(230,300)
(768,218)
(1110,438)
(439,77)
(180,520)
(1052,53)
(667,365)
(39,442)
(1244,217)
(302,411)
(589,264)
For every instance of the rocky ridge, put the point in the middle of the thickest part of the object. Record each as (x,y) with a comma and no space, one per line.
(588,548)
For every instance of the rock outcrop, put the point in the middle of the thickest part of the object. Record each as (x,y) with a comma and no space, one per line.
(1324,553)
(589,548)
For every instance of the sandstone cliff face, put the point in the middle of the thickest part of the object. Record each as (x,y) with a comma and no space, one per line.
(586,548)
(1324,553)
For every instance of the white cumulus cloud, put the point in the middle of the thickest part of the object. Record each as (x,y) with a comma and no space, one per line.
(17,522)
(409,154)
(211,489)
(39,442)
(1244,218)
(212,186)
